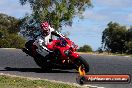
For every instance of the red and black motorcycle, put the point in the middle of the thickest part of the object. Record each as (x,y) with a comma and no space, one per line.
(64,55)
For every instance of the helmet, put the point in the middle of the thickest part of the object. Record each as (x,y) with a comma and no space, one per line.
(44,25)
(45,28)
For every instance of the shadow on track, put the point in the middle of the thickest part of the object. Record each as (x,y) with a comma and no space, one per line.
(36,70)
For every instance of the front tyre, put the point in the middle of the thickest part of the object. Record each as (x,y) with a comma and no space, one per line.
(81,62)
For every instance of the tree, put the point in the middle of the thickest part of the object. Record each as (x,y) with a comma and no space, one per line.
(12,41)
(85,48)
(114,38)
(9,27)
(129,41)
(129,47)
(9,23)
(100,50)
(57,12)
(129,34)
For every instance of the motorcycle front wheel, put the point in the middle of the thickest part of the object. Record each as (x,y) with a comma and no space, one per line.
(82,63)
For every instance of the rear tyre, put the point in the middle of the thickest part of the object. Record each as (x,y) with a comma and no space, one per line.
(43,62)
(29,45)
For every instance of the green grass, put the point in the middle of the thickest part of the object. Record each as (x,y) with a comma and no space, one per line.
(16,82)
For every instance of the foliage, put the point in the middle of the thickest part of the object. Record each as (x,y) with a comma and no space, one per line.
(129,41)
(8,32)
(9,23)
(114,38)
(100,50)
(85,48)
(129,34)
(12,41)
(3,33)
(57,12)
(129,47)
(117,38)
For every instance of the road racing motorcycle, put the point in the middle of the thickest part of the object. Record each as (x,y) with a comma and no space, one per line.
(64,55)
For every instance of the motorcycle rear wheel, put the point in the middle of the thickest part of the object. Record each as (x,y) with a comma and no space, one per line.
(42,62)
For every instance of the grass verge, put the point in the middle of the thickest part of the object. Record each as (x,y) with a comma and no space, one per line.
(17,82)
(107,54)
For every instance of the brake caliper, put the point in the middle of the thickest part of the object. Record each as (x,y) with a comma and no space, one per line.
(81,71)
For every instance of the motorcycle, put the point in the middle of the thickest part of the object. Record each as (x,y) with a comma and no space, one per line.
(64,55)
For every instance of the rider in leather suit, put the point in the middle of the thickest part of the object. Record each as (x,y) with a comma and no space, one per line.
(46,35)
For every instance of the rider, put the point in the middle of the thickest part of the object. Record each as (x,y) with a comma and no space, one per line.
(44,38)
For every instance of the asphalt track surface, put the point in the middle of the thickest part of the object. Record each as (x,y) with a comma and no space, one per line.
(15,62)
